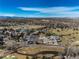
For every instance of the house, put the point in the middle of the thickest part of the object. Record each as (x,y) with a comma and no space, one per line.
(55,39)
(49,40)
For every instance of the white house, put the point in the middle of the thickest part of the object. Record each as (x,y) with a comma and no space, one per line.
(54,39)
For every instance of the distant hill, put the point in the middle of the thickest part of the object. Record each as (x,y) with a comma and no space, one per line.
(26,19)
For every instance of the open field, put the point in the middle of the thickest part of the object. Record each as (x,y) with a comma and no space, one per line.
(24,27)
(67,36)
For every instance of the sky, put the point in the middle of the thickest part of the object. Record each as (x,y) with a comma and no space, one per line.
(39,8)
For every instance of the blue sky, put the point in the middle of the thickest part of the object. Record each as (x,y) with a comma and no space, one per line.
(39,8)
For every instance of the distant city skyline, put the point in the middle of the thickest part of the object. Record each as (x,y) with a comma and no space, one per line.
(39,8)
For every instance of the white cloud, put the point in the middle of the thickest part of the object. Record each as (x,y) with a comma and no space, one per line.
(56,11)
(11,15)
(30,9)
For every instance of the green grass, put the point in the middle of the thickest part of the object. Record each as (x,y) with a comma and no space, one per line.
(9,57)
